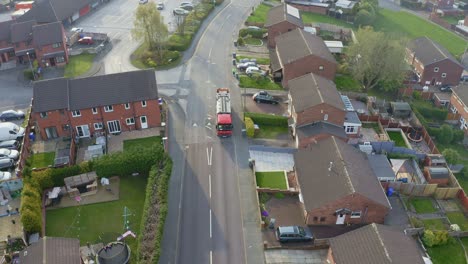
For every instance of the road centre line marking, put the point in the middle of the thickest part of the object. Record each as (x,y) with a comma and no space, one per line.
(211,227)
(211,257)
(209,184)
(209,155)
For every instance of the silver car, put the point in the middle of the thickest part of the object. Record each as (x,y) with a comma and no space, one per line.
(5,176)
(9,153)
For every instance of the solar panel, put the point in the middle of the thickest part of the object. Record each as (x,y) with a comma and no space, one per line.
(292,11)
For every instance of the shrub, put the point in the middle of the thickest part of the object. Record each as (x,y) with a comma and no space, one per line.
(269,120)
(179,42)
(255,33)
(451,156)
(416,222)
(240,41)
(445,135)
(458,135)
(28,74)
(435,238)
(31,220)
(249,127)
(431,112)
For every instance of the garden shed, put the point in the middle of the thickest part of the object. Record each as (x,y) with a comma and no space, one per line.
(400,109)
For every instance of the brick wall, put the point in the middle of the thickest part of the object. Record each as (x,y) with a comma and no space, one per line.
(40,51)
(355,202)
(313,9)
(278,29)
(458,104)
(453,73)
(308,64)
(317,113)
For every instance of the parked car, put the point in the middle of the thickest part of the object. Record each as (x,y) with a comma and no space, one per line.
(86,40)
(11,115)
(293,234)
(10,144)
(185,3)
(5,176)
(180,12)
(255,70)
(253,28)
(188,7)
(464,78)
(10,131)
(6,164)
(79,30)
(446,88)
(160,6)
(264,97)
(243,66)
(143,2)
(9,153)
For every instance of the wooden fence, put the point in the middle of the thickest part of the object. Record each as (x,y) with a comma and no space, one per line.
(414,189)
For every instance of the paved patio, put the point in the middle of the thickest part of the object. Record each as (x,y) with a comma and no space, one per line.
(397,216)
(8,228)
(115,142)
(272,159)
(293,256)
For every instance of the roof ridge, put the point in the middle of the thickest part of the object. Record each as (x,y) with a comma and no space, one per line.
(68,94)
(307,44)
(437,47)
(285,11)
(348,178)
(318,88)
(374,228)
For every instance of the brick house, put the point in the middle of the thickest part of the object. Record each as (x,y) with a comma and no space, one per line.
(298,53)
(338,186)
(7,50)
(459,105)
(282,19)
(110,103)
(372,244)
(309,134)
(432,63)
(437,175)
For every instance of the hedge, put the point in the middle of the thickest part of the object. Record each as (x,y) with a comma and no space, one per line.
(255,33)
(431,112)
(268,120)
(249,127)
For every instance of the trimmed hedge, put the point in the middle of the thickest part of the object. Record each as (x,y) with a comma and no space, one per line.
(269,120)
(431,112)
(249,127)
(255,33)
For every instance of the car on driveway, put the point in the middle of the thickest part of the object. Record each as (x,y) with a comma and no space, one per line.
(11,115)
(79,30)
(5,176)
(244,65)
(160,6)
(293,234)
(264,97)
(7,164)
(9,153)
(10,144)
(445,88)
(180,12)
(255,70)
(143,2)
(86,40)
(187,7)
(185,3)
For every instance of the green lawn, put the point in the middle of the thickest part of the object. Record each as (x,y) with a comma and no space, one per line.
(434,224)
(141,142)
(259,15)
(411,26)
(308,17)
(372,125)
(262,61)
(42,160)
(102,221)
(459,219)
(78,65)
(347,83)
(397,138)
(253,41)
(271,179)
(422,205)
(259,83)
(272,132)
(450,253)
(452,19)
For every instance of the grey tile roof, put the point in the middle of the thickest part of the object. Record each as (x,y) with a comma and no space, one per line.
(350,173)
(381,166)
(438,172)
(274,60)
(310,90)
(49,33)
(46,11)
(52,250)
(102,90)
(375,244)
(321,127)
(428,51)
(298,44)
(352,117)
(462,92)
(5,29)
(280,13)
(22,31)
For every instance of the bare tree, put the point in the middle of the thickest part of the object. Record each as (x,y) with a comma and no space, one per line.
(150,27)
(180,22)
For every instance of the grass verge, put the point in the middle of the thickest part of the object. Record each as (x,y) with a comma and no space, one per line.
(42,160)
(422,205)
(259,15)
(78,65)
(271,179)
(264,83)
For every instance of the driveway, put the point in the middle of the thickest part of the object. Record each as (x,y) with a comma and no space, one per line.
(15,92)
(397,217)
(279,109)
(291,256)
(272,159)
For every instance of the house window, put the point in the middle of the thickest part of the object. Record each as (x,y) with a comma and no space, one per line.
(95,111)
(127,106)
(43,114)
(113,126)
(356,214)
(436,69)
(453,109)
(59,59)
(56,45)
(351,129)
(321,68)
(315,218)
(130,121)
(108,108)
(143,103)
(325,117)
(65,127)
(98,126)
(322,219)
(444,75)
(76,113)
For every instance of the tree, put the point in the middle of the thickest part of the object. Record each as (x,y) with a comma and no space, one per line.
(451,156)
(364,18)
(150,27)
(445,134)
(180,22)
(376,58)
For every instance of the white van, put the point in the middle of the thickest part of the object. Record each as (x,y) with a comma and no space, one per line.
(10,131)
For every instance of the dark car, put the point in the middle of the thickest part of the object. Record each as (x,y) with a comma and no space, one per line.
(264,97)
(6,164)
(10,144)
(293,234)
(11,115)
(446,88)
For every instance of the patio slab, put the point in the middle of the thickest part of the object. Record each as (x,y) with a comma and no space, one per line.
(8,228)
(115,142)
(272,159)
(294,256)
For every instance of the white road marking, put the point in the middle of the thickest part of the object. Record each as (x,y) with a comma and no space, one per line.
(209,155)
(209,184)
(209,54)
(211,257)
(211,227)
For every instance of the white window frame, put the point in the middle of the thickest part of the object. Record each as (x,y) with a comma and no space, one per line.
(351,129)
(453,109)
(98,126)
(108,108)
(130,121)
(76,113)
(95,110)
(127,106)
(356,214)
(113,124)
(43,114)
(143,103)
(436,69)
(444,75)
(325,117)
(321,68)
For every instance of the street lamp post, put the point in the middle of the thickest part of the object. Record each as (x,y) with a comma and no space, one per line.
(30,65)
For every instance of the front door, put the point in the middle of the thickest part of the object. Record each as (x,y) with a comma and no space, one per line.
(4,59)
(340,218)
(144,122)
(51,132)
(83,131)
(52,62)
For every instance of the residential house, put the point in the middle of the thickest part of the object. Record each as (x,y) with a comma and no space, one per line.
(437,175)
(282,19)
(445,5)
(441,99)
(84,107)
(298,53)
(432,63)
(7,50)
(309,134)
(314,6)
(50,44)
(52,250)
(459,105)
(381,167)
(372,244)
(338,186)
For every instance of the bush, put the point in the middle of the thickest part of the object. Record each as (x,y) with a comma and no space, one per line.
(252,32)
(240,41)
(178,42)
(28,74)
(435,238)
(31,220)
(401,156)
(269,120)
(445,135)
(249,127)
(458,136)
(416,222)
(431,112)
(451,156)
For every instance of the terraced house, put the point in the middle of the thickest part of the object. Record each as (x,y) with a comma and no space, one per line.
(459,105)
(85,107)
